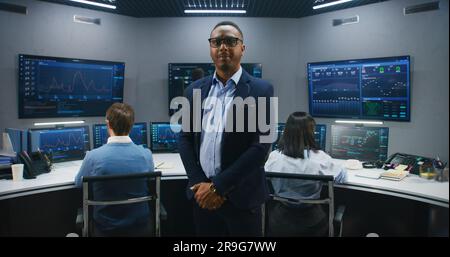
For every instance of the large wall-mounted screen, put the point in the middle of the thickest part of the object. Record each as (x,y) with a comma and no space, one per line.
(64,87)
(377,88)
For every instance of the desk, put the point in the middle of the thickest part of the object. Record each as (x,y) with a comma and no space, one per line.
(411,207)
(63,175)
(47,205)
(412,188)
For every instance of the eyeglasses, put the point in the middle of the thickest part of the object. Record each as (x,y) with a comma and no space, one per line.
(228,41)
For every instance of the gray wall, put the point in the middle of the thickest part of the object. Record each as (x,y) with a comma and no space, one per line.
(162,41)
(48,29)
(283,46)
(383,30)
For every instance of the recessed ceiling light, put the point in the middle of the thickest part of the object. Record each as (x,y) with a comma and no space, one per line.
(330,4)
(215,11)
(95,3)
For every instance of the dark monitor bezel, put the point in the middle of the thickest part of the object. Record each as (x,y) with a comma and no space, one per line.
(169,66)
(20,102)
(353,61)
(357,127)
(87,130)
(151,139)
(104,124)
(325,139)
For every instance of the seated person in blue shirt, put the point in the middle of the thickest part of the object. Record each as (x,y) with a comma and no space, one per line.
(119,156)
(297,153)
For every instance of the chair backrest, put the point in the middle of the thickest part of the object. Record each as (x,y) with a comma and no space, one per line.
(327,199)
(114,185)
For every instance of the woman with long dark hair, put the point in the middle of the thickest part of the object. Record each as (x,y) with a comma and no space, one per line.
(298,153)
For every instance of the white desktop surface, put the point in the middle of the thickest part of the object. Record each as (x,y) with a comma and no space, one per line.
(412,185)
(63,174)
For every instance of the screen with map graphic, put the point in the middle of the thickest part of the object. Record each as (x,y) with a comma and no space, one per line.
(377,88)
(361,143)
(65,87)
(63,144)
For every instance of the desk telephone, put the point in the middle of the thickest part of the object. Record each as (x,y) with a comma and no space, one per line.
(413,162)
(35,163)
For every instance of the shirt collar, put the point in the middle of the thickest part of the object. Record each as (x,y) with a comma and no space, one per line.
(236,77)
(119,139)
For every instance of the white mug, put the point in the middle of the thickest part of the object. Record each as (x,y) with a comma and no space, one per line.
(17,172)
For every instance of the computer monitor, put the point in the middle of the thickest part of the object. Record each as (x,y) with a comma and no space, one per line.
(67,87)
(320,135)
(361,143)
(63,144)
(138,134)
(180,75)
(164,136)
(280,130)
(376,88)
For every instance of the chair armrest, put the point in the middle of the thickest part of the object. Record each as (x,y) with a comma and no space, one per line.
(162,212)
(339,215)
(79,220)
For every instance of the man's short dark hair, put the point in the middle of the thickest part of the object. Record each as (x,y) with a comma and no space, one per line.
(120,117)
(229,23)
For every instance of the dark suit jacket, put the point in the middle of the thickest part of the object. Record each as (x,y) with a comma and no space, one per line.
(242,179)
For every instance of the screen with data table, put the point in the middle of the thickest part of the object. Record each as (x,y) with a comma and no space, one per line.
(320,135)
(377,88)
(138,134)
(63,144)
(361,143)
(164,136)
(181,75)
(66,87)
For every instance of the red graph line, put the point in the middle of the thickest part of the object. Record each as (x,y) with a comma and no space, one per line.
(69,88)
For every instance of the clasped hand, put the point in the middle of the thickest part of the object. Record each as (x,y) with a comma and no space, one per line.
(205,197)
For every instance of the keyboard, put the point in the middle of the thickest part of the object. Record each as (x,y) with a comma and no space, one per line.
(163,165)
(68,164)
(373,174)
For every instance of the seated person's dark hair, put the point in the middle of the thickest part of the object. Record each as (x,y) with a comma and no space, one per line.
(120,117)
(197,74)
(298,135)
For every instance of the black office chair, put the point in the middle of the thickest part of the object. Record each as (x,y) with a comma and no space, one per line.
(151,179)
(335,219)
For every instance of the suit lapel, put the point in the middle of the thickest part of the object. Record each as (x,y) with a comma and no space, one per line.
(243,86)
(205,88)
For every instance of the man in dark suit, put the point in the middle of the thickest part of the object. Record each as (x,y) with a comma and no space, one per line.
(225,168)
